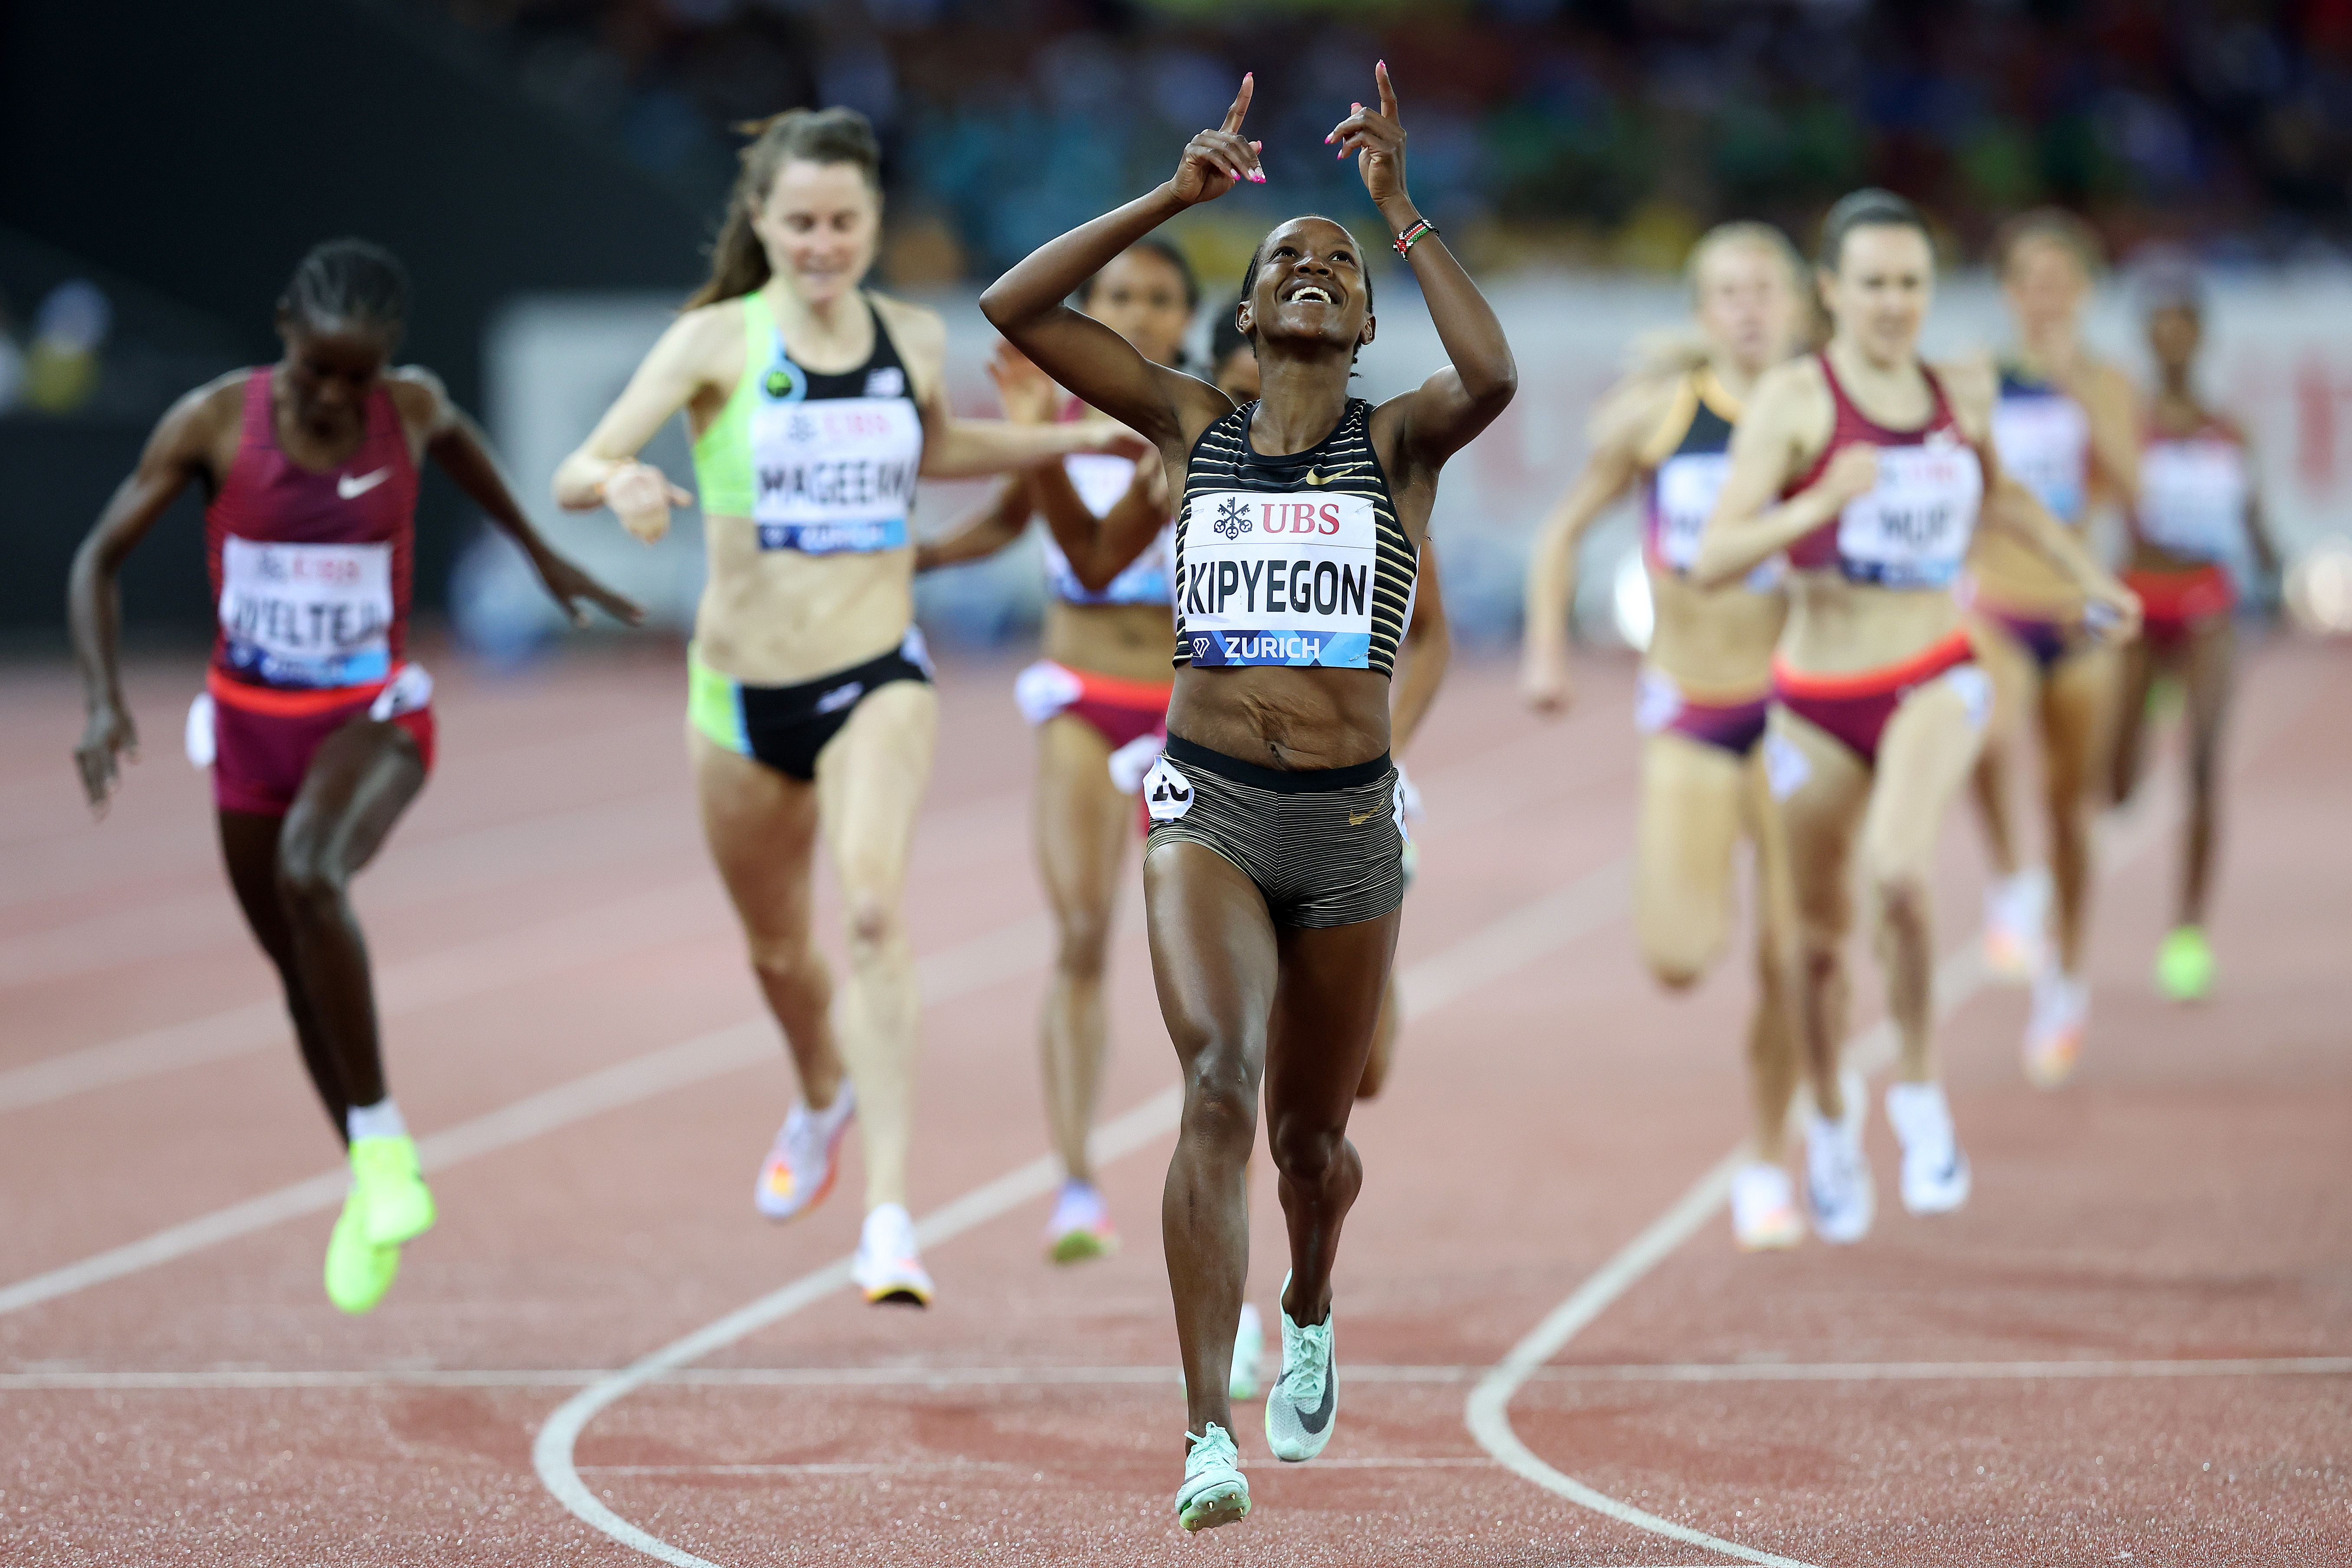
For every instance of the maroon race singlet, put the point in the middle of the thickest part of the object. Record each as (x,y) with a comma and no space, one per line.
(311,571)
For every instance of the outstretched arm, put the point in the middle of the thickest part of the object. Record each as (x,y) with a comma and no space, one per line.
(984,532)
(1545,683)
(1100,548)
(453,440)
(605,470)
(1788,417)
(175,453)
(2009,506)
(1453,406)
(1030,303)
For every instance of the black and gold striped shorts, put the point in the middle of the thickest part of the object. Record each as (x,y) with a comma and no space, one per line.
(1325,847)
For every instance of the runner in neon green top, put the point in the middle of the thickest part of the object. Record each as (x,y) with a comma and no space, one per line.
(814,406)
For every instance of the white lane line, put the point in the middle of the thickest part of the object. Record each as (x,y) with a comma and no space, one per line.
(923,1379)
(933,1466)
(1551,921)
(478,968)
(944,976)
(2123,835)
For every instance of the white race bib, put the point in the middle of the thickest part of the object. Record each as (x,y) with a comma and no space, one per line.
(1279,579)
(1687,484)
(2192,497)
(1101,481)
(833,475)
(2045,438)
(307,615)
(1912,530)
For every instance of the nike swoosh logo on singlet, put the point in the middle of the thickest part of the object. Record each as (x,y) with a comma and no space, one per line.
(352,489)
(1355,821)
(1319,480)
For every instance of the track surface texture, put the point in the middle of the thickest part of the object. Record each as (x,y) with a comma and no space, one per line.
(2129,1348)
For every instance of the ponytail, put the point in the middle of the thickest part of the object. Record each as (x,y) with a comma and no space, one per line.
(739,262)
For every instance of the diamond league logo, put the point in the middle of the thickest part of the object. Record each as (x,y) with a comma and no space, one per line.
(1232,519)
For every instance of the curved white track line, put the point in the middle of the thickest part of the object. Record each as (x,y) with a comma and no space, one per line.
(1959,977)
(1473,961)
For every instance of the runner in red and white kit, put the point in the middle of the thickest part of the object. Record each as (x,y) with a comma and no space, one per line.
(2200,503)
(318,729)
(1872,471)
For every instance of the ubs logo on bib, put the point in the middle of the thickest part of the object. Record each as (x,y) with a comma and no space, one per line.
(1233,518)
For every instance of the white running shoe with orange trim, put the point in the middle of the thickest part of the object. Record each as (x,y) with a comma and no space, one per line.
(2055,1028)
(805,1160)
(2016,926)
(888,1267)
(1764,1216)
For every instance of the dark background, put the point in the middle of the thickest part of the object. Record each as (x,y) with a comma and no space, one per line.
(184,156)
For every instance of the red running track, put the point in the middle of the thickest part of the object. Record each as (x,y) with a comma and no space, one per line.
(2132,1346)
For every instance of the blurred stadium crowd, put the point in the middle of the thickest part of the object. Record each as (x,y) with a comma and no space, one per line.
(1582,131)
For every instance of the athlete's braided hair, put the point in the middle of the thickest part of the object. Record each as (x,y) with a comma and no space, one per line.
(350,281)
(739,262)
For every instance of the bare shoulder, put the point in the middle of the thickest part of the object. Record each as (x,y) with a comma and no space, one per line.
(202,417)
(917,329)
(416,392)
(2112,386)
(1971,383)
(1794,392)
(923,339)
(1631,411)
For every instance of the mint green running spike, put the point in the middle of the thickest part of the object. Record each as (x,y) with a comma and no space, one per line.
(2184,965)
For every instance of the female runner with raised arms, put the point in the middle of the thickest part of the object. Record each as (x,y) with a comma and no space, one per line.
(1872,471)
(2198,501)
(1102,684)
(318,729)
(813,406)
(1421,661)
(2067,423)
(1273,876)
(1706,674)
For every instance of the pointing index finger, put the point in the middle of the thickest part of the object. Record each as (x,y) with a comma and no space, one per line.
(1388,93)
(1241,101)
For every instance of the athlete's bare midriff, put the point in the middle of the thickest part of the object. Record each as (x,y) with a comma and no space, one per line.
(777,617)
(1714,641)
(1837,627)
(1278,717)
(1129,642)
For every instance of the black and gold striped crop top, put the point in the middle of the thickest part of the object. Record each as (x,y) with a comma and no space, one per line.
(1297,560)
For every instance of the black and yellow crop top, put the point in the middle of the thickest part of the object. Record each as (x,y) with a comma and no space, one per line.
(1297,560)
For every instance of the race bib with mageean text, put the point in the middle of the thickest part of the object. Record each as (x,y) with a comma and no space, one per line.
(834,475)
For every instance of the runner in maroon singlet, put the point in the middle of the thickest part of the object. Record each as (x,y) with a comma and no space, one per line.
(318,730)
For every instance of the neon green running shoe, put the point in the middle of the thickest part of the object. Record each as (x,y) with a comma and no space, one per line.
(358,1271)
(394,1201)
(2184,965)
